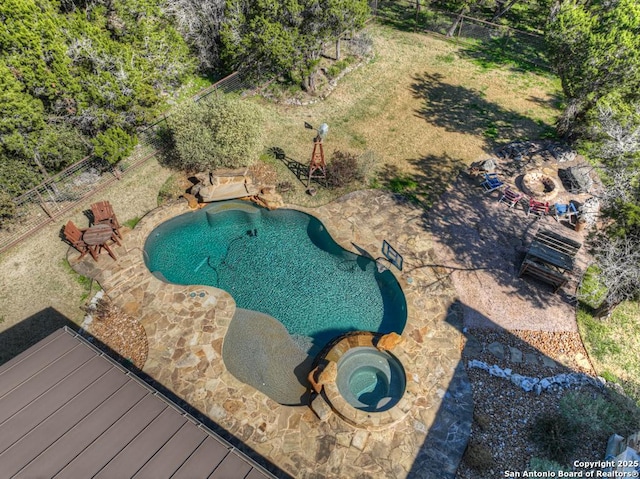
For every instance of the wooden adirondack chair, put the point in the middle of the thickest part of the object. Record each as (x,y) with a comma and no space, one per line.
(538,208)
(73,234)
(510,197)
(103,214)
(491,182)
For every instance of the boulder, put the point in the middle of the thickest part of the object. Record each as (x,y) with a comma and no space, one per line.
(489,165)
(328,374)
(193,202)
(270,201)
(203,178)
(389,341)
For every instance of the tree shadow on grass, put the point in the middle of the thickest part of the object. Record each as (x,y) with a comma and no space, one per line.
(526,54)
(423,187)
(396,15)
(463,110)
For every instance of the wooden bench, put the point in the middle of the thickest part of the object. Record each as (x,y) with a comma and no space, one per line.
(558,243)
(543,273)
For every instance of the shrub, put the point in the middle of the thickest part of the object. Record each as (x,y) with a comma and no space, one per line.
(218,132)
(478,457)
(343,169)
(334,70)
(555,434)
(361,44)
(7,206)
(599,414)
(113,145)
(537,464)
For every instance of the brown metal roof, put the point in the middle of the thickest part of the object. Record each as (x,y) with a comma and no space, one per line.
(69,411)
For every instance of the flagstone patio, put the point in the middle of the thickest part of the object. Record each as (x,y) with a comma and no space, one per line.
(186,325)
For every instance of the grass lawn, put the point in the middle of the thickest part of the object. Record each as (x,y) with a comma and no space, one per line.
(423,107)
(613,344)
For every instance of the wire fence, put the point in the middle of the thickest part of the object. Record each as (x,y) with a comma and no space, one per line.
(490,41)
(65,190)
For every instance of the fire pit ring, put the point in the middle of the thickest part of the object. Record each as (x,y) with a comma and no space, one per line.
(540,186)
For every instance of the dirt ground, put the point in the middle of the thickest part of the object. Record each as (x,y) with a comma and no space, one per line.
(37,291)
(482,244)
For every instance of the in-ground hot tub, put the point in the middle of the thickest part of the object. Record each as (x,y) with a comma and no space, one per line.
(372,388)
(370,380)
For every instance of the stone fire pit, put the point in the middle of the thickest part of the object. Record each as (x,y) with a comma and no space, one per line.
(540,186)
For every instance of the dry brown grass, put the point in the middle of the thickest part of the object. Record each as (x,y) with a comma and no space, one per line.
(423,110)
(34,276)
(421,107)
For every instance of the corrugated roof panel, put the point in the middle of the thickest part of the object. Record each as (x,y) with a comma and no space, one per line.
(173,454)
(44,406)
(204,460)
(43,380)
(144,446)
(49,430)
(256,474)
(66,410)
(21,371)
(44,343)
(115,439)
(232,466)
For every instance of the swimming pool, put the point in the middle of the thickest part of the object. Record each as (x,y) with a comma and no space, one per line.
(282,263)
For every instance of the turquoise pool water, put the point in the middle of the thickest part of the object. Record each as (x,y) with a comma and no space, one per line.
(283,263)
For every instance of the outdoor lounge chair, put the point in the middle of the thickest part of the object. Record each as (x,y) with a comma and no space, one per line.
(73,234)
(491,182)
(567,211)
(103,214)
(510,197)
(538,208)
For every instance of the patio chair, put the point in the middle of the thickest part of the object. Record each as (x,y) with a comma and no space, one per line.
(538,208)
(567,211)
(491,182)
(510,197)
(103,214)
(73,234)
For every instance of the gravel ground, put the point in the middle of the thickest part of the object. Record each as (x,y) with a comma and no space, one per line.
(120,333)
(503,412)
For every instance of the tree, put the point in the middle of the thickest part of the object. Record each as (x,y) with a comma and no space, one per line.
(73,69)
(113,145)
(286,38)
(217,132)
(614,138)
(619,270)
(596,51)
(200,23)
(7,206)
(528,15)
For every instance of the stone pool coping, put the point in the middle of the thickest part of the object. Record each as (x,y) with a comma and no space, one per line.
(185,327)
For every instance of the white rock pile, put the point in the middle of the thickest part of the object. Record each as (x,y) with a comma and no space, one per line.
(526,383)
